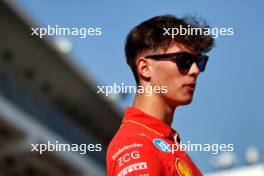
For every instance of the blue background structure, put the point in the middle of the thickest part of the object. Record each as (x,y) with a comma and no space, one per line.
(228,103)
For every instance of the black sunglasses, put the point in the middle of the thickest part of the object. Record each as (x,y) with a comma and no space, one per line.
(184,60)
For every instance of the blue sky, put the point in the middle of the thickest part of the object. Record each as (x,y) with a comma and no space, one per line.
(228,104)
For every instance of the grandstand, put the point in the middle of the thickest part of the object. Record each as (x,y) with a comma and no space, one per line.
(44,96)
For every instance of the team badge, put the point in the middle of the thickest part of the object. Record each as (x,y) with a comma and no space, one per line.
(162,145)
(182,168)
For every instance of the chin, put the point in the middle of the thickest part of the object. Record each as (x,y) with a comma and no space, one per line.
(188,102)
(180,100)
(185,101)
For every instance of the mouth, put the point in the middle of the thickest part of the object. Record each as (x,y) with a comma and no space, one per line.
(190,86)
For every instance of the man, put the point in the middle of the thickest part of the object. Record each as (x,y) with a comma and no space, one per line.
(144,144)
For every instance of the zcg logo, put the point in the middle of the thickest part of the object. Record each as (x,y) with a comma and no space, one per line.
(127,157)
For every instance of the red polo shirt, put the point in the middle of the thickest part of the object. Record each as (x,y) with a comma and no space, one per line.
(145,146)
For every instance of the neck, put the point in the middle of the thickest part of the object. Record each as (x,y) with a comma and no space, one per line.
(155,106)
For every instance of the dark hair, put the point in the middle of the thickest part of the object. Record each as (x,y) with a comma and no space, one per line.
(149,35)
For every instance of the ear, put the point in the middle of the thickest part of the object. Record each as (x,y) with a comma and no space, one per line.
(143,68)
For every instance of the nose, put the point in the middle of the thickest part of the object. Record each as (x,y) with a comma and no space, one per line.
(194,70)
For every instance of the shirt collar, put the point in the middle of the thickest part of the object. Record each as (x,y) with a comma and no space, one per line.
(138,116)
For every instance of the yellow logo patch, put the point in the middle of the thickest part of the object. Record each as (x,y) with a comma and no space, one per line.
(182,168)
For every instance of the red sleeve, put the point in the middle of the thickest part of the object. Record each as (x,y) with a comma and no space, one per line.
(133,157)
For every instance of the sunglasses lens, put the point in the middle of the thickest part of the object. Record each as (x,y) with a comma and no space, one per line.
(184,62)
(201,62)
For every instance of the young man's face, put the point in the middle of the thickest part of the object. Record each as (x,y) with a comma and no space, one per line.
(180,85)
